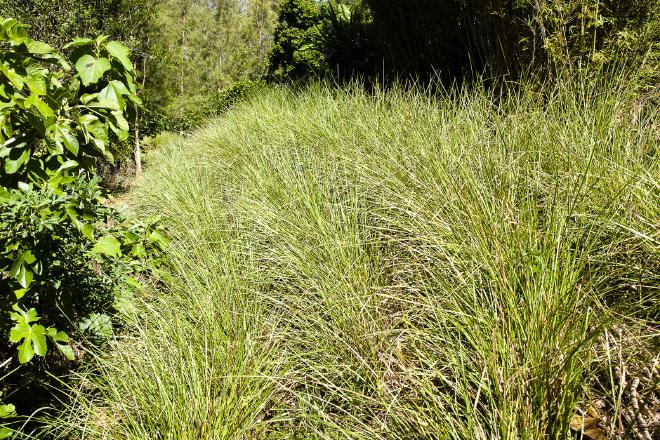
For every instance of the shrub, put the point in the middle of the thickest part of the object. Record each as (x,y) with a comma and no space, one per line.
(295,52)
(462,39)
(212,105)
(66,260)
(322,38)
(457,38)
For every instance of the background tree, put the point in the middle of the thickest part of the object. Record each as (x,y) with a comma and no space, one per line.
(200,47)
(457,39)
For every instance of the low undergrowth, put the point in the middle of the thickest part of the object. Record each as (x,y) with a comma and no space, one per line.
(346,265)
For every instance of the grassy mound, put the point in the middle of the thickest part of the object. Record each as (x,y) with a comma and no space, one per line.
(395,266)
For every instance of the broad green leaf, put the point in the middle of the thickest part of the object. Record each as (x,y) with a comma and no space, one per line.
(13,165)
(78,41)
(131,84)
(64,136)
(55,58)
(33,339)
(120,87)
(18,81)
(91,69)
(20,271)
(158,237)
(25,276)
(87,231)
(7,411)
(20,293)
(107,245)
(66,350)
(121,53)
(73,215)
(122,123)
(36,102)
(61,340)
(94,131)
(38,47)
(98,132)
(97,324)
(36,79)
(57,336)
(121,127)
(110,98)
(28,257)
(88,97)
(67,165)
(6,432)
(21,316)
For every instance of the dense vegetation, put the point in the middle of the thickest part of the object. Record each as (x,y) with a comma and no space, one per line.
(388,219)
(394,266)
(66,260)
(457,40)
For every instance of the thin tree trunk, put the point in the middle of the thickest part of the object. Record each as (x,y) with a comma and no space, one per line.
(137,154)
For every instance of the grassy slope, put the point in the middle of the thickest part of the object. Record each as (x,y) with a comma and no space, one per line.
(347,266)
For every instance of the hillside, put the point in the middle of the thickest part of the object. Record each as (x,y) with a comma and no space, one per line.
(346,265)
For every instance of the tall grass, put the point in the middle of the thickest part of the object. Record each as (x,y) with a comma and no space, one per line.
(347,265)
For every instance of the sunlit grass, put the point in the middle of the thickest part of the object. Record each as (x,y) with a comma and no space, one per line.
(389,266)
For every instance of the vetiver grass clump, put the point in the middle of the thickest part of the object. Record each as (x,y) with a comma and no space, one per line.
(398,266)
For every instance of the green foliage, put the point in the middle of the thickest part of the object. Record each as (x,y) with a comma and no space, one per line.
(504,37)
(64,255)
(198,47)
(314,39)
(183,50)
(600,34)
(51,119)
(56,21)
(214,104)
(65,252)
(458,39)
(7,411)
(295,51)
(126,21)
(69,259)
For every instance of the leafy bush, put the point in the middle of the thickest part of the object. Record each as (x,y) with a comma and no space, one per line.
(513,37)
(295,51)
(55,21)
(65,258)
(199,47)
(458,39)
(213,105)
(67,255)
(321,38)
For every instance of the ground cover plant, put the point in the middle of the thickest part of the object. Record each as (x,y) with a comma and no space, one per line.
(475,265)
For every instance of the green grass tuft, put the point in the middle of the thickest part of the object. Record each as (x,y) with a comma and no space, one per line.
(394,266)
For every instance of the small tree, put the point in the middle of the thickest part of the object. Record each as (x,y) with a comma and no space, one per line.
(63,255)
